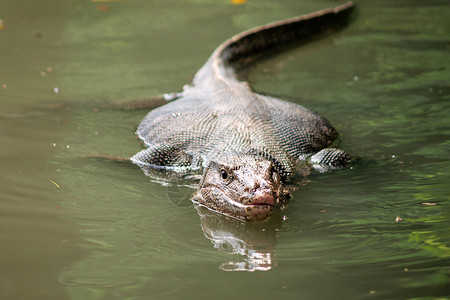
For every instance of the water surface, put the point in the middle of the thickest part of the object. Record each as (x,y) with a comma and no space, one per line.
(73,227)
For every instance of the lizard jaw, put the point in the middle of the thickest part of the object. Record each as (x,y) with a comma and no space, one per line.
(259,207)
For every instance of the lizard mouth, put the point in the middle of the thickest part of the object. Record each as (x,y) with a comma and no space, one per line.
(260,207)
(262,200)
(256,206)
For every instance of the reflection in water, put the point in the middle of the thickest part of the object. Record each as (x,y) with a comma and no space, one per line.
(254,240)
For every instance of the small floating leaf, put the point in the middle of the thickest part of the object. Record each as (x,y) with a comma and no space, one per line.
(57,185)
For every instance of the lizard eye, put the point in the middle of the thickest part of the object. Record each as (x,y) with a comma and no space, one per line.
(223,174)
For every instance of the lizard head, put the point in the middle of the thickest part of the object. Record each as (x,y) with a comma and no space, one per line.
(243,186)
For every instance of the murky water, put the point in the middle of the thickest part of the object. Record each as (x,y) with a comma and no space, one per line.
(72,227)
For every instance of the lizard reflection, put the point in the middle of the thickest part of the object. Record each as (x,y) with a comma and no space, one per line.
(255,241)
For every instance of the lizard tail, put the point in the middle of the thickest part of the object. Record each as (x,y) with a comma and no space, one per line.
(249,45)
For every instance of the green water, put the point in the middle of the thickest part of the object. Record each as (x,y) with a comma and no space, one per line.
(73,227)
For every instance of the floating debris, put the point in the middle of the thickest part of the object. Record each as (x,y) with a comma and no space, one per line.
(55,105)
(57,185)
(103,7)
(37,34)
(238,2)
